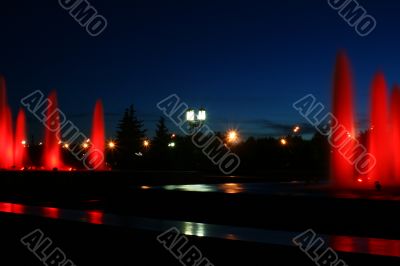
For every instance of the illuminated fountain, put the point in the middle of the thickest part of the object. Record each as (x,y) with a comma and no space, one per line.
(379,137)
(6,131)
(383,134)
(20,152)
(9,139)
(97,150)
(52,150)
(342,171)
(13,147)
(395,124)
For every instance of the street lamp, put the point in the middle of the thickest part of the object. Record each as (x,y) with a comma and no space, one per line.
(202,115)
(171,145)
(232,136)
(190,116)
(194,119)
(146,143)
(111,145)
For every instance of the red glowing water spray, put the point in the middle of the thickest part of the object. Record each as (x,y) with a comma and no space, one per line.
(96,153)
(342,171)
(379,137)
(52,150)
(20,154)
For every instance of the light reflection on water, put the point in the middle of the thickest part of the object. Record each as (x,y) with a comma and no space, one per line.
(12,208)
(194,229)
(95,217)
(90,216)
(348,244)
(230,188)
(193,188)
(237,188)
(50,212)
(375,246)
(293,188)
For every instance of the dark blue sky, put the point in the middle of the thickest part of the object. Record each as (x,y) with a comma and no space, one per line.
(245,61)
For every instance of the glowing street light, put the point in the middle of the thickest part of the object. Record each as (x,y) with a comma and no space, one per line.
(85,145)
(23,142)
(146,143)
(171,145)
(232,136)
(283,142)
(196,120)
(190,116)
(202,115)
(296,129)
(111,145)
(66,146)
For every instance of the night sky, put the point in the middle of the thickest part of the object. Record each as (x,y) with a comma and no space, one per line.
(246,62)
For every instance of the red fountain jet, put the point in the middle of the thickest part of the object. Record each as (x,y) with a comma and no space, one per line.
(3,104)
(9,140)
(6,135)
(379,137)
(52,151)
(20,155)
(96,153)
(342,172)
(395,127)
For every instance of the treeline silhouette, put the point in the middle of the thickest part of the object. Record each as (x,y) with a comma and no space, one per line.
(299,158)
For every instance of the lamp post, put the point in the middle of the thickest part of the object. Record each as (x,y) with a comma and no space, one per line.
(196,120)
(202,115)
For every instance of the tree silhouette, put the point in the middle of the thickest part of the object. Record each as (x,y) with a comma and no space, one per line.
(162,137)
(130,135)
(160,151)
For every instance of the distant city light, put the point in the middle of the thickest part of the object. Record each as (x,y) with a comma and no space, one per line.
(146,143)
(23,142)
(296,129)
(173,136)
(171,145)
(40,143)
(232,136)
(111,145)
(85,145)
(283,142)
(66,145)
(202,115)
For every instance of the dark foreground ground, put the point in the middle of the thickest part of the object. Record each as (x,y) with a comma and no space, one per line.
(88,244)
(362,227)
